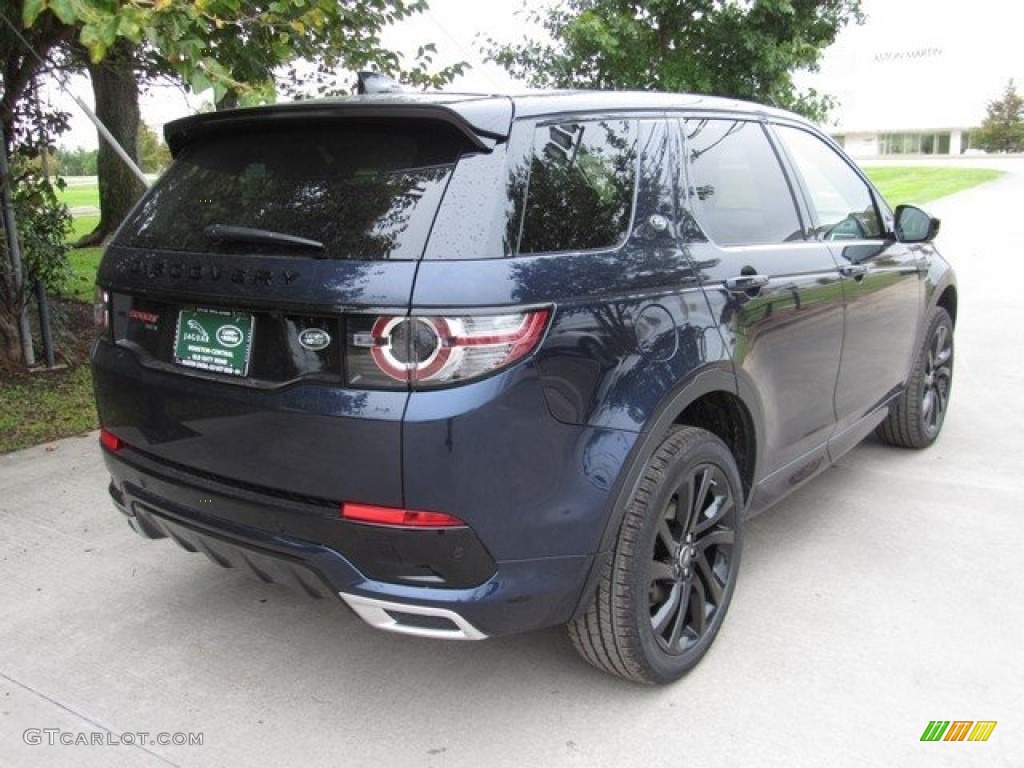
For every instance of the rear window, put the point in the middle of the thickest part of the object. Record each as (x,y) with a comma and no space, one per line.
(365,190)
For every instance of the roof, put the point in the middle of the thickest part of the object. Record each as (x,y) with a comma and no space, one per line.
(540,103)
(484,118)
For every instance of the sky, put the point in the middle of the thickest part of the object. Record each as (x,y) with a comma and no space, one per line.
(923,63)
(914,63)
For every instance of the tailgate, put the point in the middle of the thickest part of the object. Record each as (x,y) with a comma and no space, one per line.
(235,290)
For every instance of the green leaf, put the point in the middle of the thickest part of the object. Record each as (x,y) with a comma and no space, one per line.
(219,90)
(30,12)
(129,30)
(199,82)
(97,52)
(63,10)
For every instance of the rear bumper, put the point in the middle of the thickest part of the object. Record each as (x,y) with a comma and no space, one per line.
(238,528)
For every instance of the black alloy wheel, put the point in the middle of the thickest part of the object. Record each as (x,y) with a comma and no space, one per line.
(666,589)
(693,551)
(938,379)
(916,418)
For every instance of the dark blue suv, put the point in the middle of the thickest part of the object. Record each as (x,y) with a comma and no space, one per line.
(482,364)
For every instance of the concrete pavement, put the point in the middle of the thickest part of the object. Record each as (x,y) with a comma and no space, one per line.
(882,596)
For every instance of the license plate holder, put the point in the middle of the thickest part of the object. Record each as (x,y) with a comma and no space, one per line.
(215,340)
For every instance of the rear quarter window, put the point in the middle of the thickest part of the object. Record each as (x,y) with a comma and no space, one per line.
(366,190)
(581,185)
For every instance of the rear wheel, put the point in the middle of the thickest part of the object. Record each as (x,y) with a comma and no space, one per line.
(916,418)
(666,588)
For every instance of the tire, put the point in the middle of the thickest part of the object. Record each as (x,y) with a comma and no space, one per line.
(666,587)
(916,417)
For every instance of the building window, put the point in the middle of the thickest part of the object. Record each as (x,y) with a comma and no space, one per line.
(914,143)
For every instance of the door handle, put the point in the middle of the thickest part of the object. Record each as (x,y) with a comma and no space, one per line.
(744,283)
(856,271)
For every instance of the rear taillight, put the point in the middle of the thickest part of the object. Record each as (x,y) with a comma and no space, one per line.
(101,310)
(394,516)
(433,351)
(110,441)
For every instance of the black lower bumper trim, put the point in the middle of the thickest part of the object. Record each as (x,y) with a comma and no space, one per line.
(448,558)
(269,567)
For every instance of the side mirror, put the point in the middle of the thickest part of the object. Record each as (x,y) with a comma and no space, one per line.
(914,225)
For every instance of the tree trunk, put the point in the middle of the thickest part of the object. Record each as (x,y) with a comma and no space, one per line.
(116,90)
(10,311)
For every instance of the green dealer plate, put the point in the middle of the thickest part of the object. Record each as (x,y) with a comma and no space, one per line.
(213,340)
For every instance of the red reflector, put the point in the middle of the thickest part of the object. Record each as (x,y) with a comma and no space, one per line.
(409,518)
(110,441)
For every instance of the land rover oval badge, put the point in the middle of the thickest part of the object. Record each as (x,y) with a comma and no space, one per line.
(314,339)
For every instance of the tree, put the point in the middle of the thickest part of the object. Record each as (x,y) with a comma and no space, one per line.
(24,53)
(77,162)
(318,42)
(231,46)
(234,46)
(745,49)
(116,90)
(42,229)
(29,132)
(1003,129)
(154,155)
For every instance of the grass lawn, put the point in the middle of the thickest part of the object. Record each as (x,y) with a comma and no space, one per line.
(46,406)
(40,407)
(83,225)
(84,261)
(82,283)
(922,184)
(76,196)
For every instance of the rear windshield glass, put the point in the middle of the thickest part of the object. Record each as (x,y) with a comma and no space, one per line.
(363,190)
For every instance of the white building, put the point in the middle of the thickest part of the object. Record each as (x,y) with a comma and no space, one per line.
(917,76)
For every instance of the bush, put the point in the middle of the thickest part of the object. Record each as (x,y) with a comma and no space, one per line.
(43,223)
(43,226)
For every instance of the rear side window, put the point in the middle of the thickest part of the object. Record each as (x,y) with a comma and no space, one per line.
(581,185)
(737,189)
(363,190)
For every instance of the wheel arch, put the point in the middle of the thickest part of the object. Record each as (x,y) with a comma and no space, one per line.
(948,301)
(710,400)
(725,415)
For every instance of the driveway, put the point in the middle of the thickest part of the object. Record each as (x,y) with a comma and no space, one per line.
(885,595)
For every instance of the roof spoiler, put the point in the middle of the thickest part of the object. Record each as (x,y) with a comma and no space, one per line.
(485,121)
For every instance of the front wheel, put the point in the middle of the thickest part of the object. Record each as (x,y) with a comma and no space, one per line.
(666,588)
(916,418)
